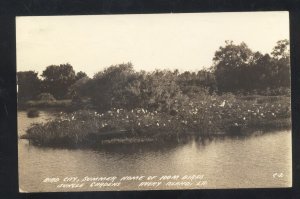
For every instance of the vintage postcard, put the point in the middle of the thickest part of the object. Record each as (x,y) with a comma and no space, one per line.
(154,101)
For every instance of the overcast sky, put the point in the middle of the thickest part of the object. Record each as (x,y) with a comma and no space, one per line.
(152,41)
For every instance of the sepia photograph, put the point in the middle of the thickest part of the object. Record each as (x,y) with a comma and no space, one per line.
(154,101)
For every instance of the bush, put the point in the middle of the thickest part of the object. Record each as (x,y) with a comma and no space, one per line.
(116,86)
(160,91)
(120,87)
(33,113)
(45,97)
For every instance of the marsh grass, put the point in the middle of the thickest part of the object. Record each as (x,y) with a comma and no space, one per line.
(216,115)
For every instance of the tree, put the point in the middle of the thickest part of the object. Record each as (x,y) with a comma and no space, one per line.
(80,75)
(237,68)
(81,88)
(281,50)
(229,64)
(117,86)
(58,79)
(192,84)
(28,85)
(160,91)
(281,59)
(259,72)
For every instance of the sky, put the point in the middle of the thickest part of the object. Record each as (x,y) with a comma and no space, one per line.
(91,43)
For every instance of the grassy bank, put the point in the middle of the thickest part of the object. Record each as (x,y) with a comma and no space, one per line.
(215,115)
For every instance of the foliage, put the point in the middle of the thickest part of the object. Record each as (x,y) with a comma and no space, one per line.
(31,113)
(58,79)
(229,62)
(160,91)
(80,88)
(281,68)
(115,86)
(80,75)
(121,87)
(237,68)
(281,50)
(194,84)
(28,85)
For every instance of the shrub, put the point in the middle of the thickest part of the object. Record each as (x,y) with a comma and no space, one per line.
(116,86)
(33,113)
(120,86)
(160,91)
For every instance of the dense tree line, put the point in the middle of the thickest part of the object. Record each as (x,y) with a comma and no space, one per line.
(236,68)
(56,80)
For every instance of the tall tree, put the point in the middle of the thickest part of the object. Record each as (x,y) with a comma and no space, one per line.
(80,75)
(58,79)
(281,56)
(116,86)
(281,50)
(28,85)
(229,64)
(259,72)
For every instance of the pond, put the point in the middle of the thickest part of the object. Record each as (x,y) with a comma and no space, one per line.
(239,162)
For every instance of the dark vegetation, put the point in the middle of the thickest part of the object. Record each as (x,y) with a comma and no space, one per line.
(242,90)
(33,113)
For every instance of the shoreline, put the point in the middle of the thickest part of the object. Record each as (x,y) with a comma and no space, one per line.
(135,141)
(154,138)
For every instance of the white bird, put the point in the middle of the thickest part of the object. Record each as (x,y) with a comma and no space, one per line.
(222,104)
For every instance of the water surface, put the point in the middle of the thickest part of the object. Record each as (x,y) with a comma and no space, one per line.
(240,162)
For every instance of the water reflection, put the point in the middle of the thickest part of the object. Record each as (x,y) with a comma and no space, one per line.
(226,162)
